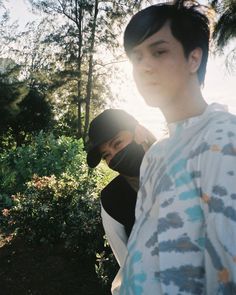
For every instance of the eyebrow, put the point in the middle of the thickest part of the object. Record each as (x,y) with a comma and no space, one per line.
(109,144)
(156,43)
(152,45)
(113,139)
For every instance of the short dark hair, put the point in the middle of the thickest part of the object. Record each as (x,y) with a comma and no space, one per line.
(188,23)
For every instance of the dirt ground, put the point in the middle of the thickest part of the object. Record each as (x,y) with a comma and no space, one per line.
(44,270)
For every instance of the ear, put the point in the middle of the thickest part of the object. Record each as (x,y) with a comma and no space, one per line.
(194,59)
(139,134)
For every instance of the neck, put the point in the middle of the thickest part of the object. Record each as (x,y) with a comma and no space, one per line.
(188,104)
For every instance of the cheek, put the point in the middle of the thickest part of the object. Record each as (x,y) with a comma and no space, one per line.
(135,75)
(137,72)
(138,79)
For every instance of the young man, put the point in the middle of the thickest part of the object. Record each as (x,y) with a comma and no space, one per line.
(184,237)
(121,141)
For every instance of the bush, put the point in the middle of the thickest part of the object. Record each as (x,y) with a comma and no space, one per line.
(49,196)
(44,156)
(106,267)
(53,210)
(60,210)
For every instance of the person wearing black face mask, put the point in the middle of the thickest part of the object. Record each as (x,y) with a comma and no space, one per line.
(128,160)
(121,141)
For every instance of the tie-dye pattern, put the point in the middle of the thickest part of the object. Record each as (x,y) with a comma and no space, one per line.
(184,237)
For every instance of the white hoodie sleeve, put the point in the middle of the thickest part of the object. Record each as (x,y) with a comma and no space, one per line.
(116,236)
(117,239)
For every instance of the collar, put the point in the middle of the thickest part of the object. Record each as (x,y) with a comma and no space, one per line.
(176,127)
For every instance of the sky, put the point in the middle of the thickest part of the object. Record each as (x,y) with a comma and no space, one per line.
(220,85)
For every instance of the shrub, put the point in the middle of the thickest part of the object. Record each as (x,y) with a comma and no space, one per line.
(44,156)
(59,210)
(106,267)
(53,210)
(49,196)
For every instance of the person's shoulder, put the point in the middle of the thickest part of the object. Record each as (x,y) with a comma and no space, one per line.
(157,146)
(116,187)
(220,129)
(118,199)
(222,122)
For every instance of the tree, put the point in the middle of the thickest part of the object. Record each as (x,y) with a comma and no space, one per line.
(225,27)
(7,29)
(34,115)
(10,93)
(23,107)
(23,110)
(85,30)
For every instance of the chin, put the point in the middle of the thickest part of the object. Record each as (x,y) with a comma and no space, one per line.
(154,101)
(152,104)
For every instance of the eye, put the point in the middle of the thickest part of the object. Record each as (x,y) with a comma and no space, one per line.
(117,143)
(158,53)
(105,156)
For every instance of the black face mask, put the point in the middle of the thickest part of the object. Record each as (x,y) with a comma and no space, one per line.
(128,160)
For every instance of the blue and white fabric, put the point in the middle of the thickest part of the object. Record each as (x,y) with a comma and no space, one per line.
(184,238)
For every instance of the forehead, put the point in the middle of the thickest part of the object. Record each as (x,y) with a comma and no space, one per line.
(163,36)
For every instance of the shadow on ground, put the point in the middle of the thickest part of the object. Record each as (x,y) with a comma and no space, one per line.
(42,270)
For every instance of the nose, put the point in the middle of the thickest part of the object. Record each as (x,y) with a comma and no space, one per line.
(146,65)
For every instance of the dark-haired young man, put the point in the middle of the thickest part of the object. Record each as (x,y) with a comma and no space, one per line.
(184,237)
(118,138)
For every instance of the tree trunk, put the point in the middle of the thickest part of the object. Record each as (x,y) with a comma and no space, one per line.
(90,72)
(79,84)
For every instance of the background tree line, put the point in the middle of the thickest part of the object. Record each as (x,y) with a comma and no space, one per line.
(57,73)
(63,59)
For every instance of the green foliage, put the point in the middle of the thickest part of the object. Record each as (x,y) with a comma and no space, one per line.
(106,267)
(7,141)
(23,108)
(44,156)
(6,202)
(34,112)
(48,196)
(225,30)
(83,39)
(10,92)
(59,209)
